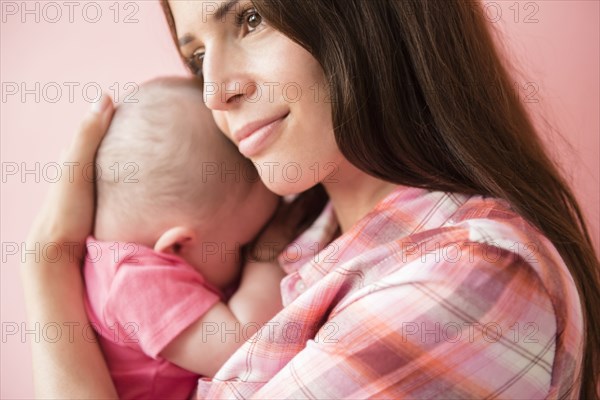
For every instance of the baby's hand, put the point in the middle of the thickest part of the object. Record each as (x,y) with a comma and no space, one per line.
(290,219)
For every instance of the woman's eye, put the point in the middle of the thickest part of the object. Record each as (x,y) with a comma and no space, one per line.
(249,18)
(195,62)
(253,19)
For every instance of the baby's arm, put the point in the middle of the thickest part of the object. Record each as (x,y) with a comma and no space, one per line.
(257,300)
(205,345)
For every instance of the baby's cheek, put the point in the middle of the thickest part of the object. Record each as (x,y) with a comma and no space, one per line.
(250,228)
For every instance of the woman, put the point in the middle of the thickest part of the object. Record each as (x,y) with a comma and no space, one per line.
(430,229)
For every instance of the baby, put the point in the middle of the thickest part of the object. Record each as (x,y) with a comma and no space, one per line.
(176,203)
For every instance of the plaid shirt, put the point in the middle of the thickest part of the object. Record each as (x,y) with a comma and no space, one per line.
(430,295)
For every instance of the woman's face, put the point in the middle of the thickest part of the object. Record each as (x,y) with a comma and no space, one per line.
(267,93)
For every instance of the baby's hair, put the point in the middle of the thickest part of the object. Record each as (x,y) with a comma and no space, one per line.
(164,153)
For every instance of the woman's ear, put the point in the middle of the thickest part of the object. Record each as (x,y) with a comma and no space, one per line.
(174,240)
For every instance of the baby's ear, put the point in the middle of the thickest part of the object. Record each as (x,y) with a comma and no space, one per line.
(175,240)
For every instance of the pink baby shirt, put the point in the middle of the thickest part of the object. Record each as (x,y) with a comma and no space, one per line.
(138,301)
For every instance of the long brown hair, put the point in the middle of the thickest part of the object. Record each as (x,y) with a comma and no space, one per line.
(433,107)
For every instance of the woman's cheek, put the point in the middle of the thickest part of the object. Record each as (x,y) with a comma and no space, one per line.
(221,122)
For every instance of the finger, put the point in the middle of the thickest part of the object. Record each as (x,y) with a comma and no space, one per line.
(73,196)
(67,213)
(92,130)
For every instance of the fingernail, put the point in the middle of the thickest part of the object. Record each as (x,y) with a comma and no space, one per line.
(99,105)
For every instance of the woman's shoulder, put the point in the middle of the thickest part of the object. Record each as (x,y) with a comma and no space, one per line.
(455,237)
(452,226)
(492,225)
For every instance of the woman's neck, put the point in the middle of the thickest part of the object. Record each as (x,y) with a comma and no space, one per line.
(354,194)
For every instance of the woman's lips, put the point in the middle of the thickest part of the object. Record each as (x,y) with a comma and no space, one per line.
(254,137)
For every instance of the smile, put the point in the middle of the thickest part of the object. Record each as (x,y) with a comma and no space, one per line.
(256,136)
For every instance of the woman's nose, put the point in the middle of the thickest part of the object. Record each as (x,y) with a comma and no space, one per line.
(227,81)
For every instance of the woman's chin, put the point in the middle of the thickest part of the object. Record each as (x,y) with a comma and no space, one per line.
(283,187)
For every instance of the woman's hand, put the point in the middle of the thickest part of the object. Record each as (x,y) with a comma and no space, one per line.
(71,365)
(67,215)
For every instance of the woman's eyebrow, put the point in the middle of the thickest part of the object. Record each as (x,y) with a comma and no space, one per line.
(185,39)
(219,14)
(224,9)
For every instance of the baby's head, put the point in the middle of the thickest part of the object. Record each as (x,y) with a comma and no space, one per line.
(170,180)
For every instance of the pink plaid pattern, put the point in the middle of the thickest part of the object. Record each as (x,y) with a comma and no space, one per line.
(430,295)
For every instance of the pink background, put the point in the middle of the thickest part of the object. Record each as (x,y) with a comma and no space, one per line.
(558,53)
